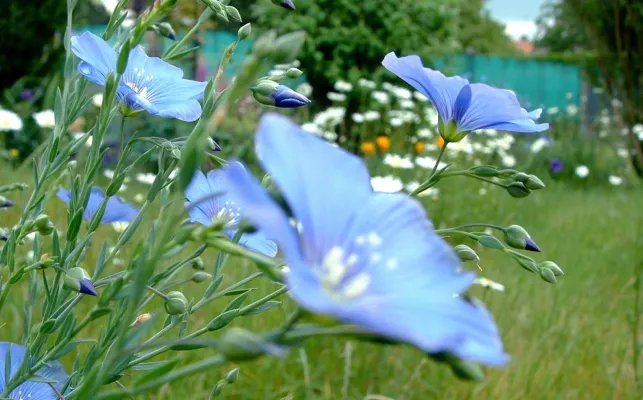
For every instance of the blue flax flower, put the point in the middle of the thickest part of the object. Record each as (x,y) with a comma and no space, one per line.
(30,390)
(148,83)
(464,107)
(366,258)
(116,210)
(205,207)
(285,97)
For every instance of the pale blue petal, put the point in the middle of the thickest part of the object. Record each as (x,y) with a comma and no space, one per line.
(185,110)
(441,90)
(201,192)
(261,210)
(118,210)
(522,126)
(321,183)
(98,58)
(259,243)
(489,107)
(38,390)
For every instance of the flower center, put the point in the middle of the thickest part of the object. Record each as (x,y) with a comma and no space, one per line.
(229,214)
(138,84)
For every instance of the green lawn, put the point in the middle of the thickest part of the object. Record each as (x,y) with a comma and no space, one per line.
(568,341)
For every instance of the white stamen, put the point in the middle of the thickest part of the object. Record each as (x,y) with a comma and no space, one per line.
(357,285)
(374,239)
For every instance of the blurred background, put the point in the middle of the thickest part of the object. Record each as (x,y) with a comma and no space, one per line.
(578,60)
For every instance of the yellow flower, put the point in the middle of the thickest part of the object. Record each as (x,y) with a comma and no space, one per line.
(419,147)
(14,153)
(439,142)
(383,143)
(368,148)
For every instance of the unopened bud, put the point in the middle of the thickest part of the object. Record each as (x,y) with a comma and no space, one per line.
(46,261)
(547,275)
(164,29)
(484,170)
(520,177)
(517,190)
(518,238)
(141,319)
(552,266)
(78,280)
(5,203)
(214,5)
(214,146)
(197,264)
(287,4)
(233,13)
(244,32)
(265,87)
(293,73)
(231,377)
(529,265)
(534,183)
(43,225)
(466,253)
(200,276)
(175,303)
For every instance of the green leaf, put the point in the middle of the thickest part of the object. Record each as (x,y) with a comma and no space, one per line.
(69,347)
(235,292)
(223,319)
(161,368)
(262,308)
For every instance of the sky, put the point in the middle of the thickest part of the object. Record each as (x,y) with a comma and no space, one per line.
(517,15)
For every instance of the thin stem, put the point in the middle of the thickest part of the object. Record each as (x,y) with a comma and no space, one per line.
(263,300)
(222,293)
(266,264)
(156,292)
(437,162)
(478,225)
(122,135)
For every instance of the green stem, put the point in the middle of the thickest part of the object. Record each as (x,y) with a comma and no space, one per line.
(122,135)
(222,293)
(156,292)
(437,162)
(266,264)
(263,300)
(478,225)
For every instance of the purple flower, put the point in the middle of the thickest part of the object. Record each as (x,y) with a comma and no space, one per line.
(204,206)
(464,107)
(15,354)
(148,83)
(272,94)
(116,209)
(366,258)
(26,94)
(556,165)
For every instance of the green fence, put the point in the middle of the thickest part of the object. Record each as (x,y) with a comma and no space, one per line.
(536,83)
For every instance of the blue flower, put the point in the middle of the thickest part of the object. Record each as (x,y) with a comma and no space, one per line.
(464,107)
(29,389)
(204,206)
(5,203)
(116,210)
(148,83)
(366,258)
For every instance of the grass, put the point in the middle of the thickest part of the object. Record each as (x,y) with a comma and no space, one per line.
(572,340)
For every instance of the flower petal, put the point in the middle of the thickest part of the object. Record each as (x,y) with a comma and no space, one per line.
(38,390)
(489,108)
(260,243)
(259,208)
(98,57)
(441,90)
(314,178)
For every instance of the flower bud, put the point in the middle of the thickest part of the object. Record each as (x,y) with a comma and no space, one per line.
(233,13)
(265,87)
(520,177)
(293,73)
(164,29)
(46,261)
(534,183)
(43,225)
(281,96)
(176,303)
(5,203)
(214,146)
(231,377)
(78,280)
(517,190)
(484,170)
(529,265)
(238,344)
(214,5)
(466,253)
(141,319)
(547,275)
(287,4)
(518,238)
(200,276)
(552,266)
(244,32)
(197,264)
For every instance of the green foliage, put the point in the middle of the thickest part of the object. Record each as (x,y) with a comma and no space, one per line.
(480,33)
(348,35)
(27,48)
